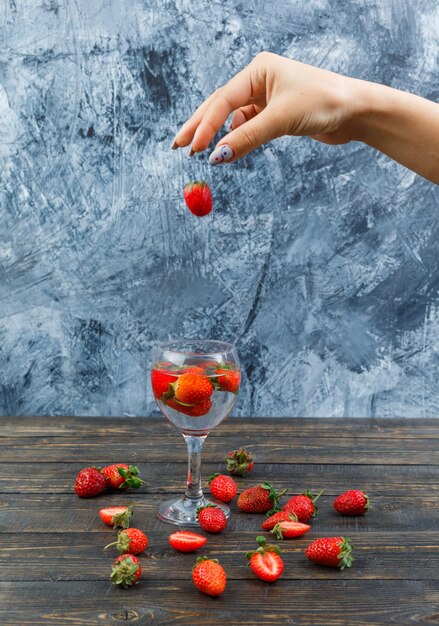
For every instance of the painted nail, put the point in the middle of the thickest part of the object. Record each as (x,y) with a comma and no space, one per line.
(191,152)
(174,145)
(222,154)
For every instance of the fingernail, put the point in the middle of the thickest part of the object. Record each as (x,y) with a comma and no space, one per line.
(222,154)
(191,152)
(174,144)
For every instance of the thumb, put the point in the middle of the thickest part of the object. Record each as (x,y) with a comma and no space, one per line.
(247,137)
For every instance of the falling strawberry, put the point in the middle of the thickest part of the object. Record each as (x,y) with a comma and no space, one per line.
(126,570)
(266,562)
(259,499)
(89,483)
(130,541)
(287,529)
(270,522)
(122,476)
(197,410)
(331,551)
(192,388)
(186,541)
(239,462)
(303,506)
(222,487)
(160,382)
(209,576)
(354,502)
(228,379)
(198,198)
(211,518)
(117,516)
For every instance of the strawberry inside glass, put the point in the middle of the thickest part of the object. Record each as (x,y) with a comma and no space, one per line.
(195,384)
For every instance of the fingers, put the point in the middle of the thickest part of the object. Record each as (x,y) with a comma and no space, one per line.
(207,120)
(242,115)
(265,126)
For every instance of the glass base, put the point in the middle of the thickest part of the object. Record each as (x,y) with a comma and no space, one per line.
(182,511)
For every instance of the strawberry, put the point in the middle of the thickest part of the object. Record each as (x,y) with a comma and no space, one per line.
(211,518)
(192,388)
(117,516)
(208,576)
(280,516)
(122,476)
(354,502)
(130,541)
(186,541)
(266,562)
(126,570)
(259,499)
(228,380)
(287,529)
(89,482)
(198,198)
(193,369)
(239,462)
(331,551)
(198,410)
(160,382)
(222,487)
(303,506)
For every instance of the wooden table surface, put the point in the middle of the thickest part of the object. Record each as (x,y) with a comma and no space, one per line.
(53,569)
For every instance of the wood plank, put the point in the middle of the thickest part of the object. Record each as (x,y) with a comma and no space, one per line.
(80,556)
(409,480)
(250,602)
(260,427)
(279,449)
(67,513)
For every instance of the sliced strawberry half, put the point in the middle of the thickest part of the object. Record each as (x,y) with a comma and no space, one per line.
(186,541)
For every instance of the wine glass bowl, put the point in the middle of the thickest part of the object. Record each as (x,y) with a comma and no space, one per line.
(196,384)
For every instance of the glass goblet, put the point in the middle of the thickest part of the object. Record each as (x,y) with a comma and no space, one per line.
(195,383)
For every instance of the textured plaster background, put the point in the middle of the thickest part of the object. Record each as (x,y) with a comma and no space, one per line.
(321,263)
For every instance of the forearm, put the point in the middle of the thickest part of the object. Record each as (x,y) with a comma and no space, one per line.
(401,125)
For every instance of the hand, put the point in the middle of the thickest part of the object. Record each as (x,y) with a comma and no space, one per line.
(271,97)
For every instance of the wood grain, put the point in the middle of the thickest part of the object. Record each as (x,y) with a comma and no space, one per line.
(53,570)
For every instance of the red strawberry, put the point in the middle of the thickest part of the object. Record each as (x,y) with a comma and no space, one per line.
(208,576)
(280,516)
(211,518)
(117,516)
(192,388)
(287,529)
(303,506)
(193,369)
(160,382)
(186,541)
(89,482)
(331,551)
(126,570)
(259,499)
(122,476)
(353,502)
(198,410)
(222,487)
(239,462)
(198,198)
(130,541)
(228,380)
(265,561)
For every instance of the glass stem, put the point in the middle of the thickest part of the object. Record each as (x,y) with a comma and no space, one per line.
(194,448)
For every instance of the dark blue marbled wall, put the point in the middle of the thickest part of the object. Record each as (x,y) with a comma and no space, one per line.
(321,263)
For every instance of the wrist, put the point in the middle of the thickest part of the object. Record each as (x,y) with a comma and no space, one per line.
(371,106)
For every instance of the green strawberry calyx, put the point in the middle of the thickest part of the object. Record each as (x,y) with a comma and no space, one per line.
(122,543)
(131,476)
(345,556)
(313,497)
(124,572)
(201,559)
(262,549)
(122,520)
(274,497)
